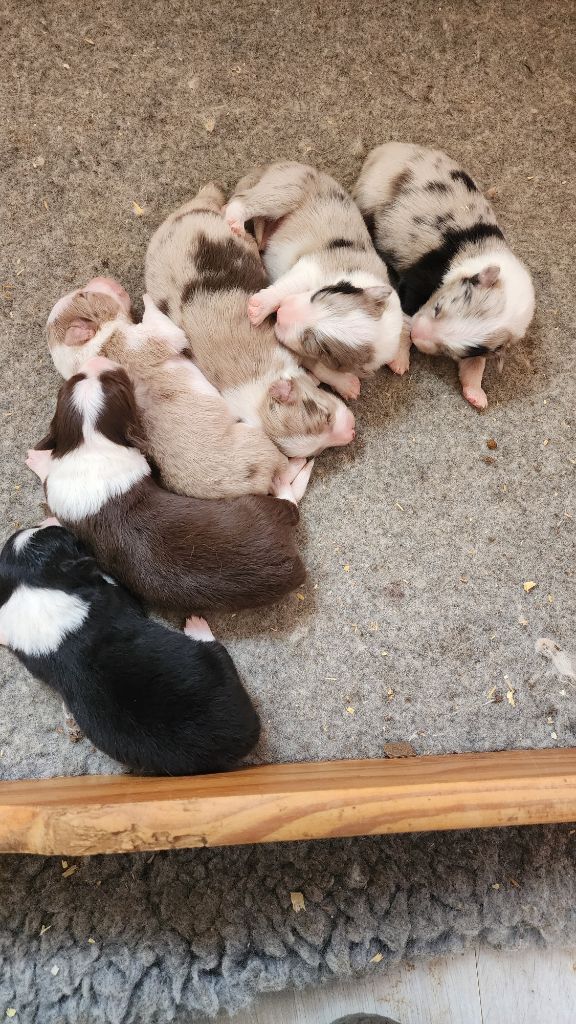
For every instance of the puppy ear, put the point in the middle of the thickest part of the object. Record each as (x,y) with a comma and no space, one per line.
(376,298)
(283,391)
(379,292)
(48,442)
(488,276)
(80,331)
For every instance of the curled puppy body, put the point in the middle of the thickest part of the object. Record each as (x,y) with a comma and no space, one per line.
(150,697)
(468,295)
(330,288)
(201,275)
(174,552)
(200,449)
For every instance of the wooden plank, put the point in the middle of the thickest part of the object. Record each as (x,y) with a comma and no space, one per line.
(123,813)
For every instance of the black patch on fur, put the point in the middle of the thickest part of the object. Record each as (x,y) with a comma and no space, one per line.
(465,179)
(342,243)
(163,306)
(400,182)
(341,288)
(222,266)
(476,350)
(437,186)
(419,281)
(370,222)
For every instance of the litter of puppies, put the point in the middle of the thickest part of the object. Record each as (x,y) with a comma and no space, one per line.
(181,446)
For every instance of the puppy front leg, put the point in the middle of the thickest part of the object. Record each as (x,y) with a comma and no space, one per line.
(346,384)
(470,372)
(266,301)
(39,461)
(401,362)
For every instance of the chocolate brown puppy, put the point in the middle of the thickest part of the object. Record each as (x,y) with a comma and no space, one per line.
(176,553)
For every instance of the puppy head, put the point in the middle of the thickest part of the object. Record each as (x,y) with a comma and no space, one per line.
(76,319)
(39,553)
(337,324)
(483,305)
(303,419)
(98,402)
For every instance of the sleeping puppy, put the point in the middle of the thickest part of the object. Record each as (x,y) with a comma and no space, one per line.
(333,301)
(468,295)
(152,698)
(176,553)
(201,275)
(199,447)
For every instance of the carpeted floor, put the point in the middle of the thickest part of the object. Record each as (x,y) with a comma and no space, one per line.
(414,624)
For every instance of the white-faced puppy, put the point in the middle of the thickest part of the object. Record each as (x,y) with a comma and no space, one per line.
(174,552)
(468,295)
(201,276)
(150,697)
(330,288)
(199,447)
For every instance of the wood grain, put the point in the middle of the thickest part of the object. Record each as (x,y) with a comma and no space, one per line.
(123,813)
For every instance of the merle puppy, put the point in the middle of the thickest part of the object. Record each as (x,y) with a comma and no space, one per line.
(160,701)
(468,295)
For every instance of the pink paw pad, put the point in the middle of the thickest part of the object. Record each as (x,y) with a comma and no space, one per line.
(476,396)
(257,311)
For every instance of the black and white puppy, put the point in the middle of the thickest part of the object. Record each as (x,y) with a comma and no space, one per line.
(160,701)
(467,293)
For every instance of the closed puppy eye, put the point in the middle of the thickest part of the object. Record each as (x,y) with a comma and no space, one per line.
(437,309)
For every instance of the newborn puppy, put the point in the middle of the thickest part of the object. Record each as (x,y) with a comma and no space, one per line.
(200,449)
(201,275)
(330,288)
(176,553)
(157,700)
(467,293)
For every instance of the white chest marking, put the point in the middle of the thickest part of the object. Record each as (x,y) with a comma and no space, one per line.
(80,483)
(35,620)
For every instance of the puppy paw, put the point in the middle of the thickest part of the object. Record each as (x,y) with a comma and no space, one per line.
(400,365)
(235,218)
(476,396)
(198,629)
(258,308)
(349,386)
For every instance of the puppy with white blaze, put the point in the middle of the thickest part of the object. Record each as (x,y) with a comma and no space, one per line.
(334,304)
(201,275)
(468,295)
(151,697)
(174,552)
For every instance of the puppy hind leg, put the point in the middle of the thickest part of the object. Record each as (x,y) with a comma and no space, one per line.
(278,191)
(198,629)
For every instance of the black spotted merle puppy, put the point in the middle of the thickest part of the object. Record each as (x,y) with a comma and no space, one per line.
(467,293)
(155,699)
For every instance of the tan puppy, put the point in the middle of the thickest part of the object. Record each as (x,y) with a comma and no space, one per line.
(330,288)
(201,276)
(198,446)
